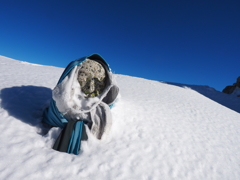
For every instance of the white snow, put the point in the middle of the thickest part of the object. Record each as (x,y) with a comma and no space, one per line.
(160,131)
(236,92)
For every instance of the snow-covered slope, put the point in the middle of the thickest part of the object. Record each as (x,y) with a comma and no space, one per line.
(160,131)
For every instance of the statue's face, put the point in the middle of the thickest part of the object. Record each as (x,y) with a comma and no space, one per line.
(91,77)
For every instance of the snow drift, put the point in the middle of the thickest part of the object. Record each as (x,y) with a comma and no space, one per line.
(160,130)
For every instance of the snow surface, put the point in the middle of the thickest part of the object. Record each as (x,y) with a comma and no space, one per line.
(160,131)
(236,91)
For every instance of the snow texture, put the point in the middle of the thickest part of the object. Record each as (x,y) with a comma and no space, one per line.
(160,130)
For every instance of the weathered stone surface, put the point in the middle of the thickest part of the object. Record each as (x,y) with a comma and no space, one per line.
(91,77)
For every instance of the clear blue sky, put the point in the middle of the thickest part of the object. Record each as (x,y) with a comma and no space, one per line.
(192,42)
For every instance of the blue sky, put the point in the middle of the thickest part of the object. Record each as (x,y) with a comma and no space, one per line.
(183,41)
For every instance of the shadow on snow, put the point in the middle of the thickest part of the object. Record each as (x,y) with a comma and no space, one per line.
(26,103)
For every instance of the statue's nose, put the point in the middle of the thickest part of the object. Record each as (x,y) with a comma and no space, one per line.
(91,86)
